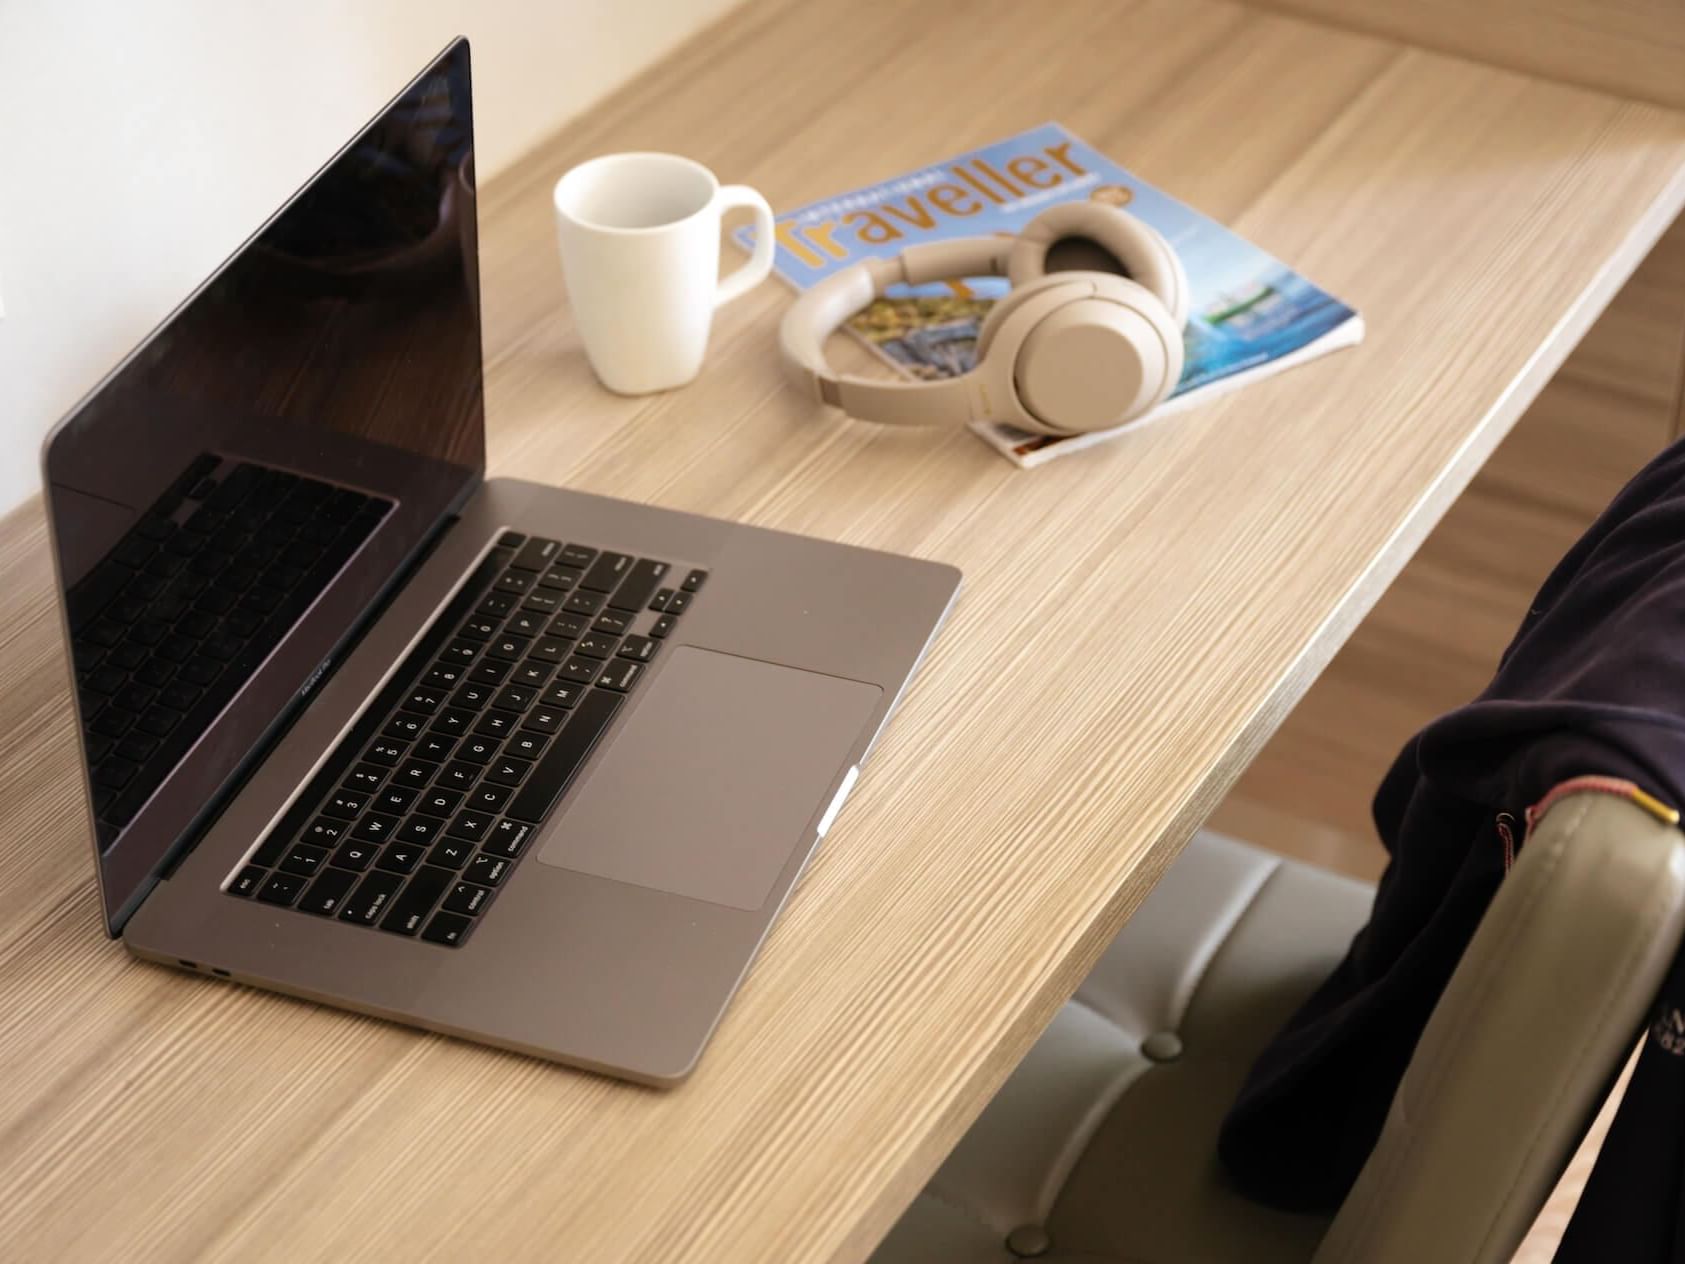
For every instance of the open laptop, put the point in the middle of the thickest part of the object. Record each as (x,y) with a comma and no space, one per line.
(496,759)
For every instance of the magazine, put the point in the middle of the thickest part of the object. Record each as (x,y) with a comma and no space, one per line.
(1250,315)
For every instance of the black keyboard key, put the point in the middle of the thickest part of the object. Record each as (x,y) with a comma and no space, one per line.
(551,649)
(200,671)
(497,605)
(581,670)
(452,853)
(473,696)
(620,674)
(424,701)
(605,574)
(135,696)
(488,797)
(461,652)
(583,603)
(385,753)
(438,801)
(282,888)
(445,676)
(678,603)
(454,721)
(478,749)
(568,627)
(460,776)
(490,673)
(180,696)
(639,585)
(515,698)
(505,771)
(406,726)
(324,831)
(159,721)
(375,827)
(551,775)
(410,909)
(511,540)
(248,881)
(304,859)
(614,622)
(536,554)
(661,598)
(395,798)
(507,838)
(421,830)
(486,870)
(466,898)
(510,648)
(544,718)
(435,748)
(559,577)
(115,772)
(639,648)
(449,929)
(370,898)
(479,628)
(346,804)
(596,645)
(576,555)
(400,857)
(327,894)
(546,601)
(527,623)
(513,582)
(526,745)
(497,724)
(365,777)
(533,674)
(355,855)
(563,694)
(694,580)
(416,773)
(471,825)
(663,627)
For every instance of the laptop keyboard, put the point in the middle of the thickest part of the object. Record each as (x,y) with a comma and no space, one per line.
(182,612)
(419,814)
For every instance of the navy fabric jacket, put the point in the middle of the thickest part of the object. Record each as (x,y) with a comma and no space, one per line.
(1594,683)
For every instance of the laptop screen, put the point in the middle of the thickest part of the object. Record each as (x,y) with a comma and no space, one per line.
(230,504)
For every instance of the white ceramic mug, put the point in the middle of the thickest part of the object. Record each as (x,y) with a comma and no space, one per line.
(640,241)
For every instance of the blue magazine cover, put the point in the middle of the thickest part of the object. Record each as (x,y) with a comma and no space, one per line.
(1250,313)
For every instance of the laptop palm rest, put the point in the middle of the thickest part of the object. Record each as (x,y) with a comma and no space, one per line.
(714,780)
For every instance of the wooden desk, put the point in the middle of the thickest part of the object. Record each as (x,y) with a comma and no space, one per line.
(1135,622)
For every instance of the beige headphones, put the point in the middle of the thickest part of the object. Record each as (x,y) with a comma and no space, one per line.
(1063,353)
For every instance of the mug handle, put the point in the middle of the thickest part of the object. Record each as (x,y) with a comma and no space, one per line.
(753,272)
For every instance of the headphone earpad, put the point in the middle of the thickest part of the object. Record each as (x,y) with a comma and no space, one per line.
(1143,253)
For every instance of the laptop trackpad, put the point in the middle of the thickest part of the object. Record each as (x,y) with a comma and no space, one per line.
(716,777)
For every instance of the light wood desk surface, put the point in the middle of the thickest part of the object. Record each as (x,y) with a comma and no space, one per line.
(1135,621)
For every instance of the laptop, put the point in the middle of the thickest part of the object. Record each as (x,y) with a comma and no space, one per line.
(496,759)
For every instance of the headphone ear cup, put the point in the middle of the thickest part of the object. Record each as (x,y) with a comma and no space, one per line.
(1108,355)
(1145,255)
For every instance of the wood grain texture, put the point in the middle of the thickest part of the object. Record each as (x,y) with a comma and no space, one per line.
(1135,622)
(1632,47)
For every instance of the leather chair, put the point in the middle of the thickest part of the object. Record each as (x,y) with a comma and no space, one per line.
(1101,1146)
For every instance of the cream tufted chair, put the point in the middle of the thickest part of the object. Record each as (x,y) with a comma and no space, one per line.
(1100,1148)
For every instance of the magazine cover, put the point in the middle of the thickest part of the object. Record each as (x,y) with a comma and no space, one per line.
(1250,314)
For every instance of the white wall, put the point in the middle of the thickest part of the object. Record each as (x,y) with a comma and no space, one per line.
(145,139)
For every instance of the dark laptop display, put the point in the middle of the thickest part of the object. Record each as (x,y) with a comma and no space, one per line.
(234,499)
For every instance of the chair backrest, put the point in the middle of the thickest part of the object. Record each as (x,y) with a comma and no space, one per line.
(1537,1020)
